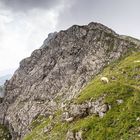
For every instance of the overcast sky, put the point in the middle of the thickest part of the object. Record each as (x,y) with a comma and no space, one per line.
(24,24)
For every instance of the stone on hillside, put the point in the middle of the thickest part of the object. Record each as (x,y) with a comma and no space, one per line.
(119,101)
(70,136)
(78,135)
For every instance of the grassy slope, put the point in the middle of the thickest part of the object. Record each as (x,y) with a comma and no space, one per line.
(119,123)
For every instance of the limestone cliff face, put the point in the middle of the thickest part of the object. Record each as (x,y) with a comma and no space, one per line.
(57,72)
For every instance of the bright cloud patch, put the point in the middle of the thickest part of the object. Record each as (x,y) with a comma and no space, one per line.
(21,33)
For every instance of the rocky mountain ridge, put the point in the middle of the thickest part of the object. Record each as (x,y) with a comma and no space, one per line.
(56,73)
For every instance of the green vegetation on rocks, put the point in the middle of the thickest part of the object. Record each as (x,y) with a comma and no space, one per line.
(4,133)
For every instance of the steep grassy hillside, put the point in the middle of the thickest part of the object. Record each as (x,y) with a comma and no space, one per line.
(122,94)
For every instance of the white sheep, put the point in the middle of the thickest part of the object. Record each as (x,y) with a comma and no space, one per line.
(69,119)
(104,79)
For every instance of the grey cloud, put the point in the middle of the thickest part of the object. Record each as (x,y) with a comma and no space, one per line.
(86,11)
(25,5)
(121,15)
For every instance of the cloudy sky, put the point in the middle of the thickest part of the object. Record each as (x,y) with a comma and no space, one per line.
(24,24)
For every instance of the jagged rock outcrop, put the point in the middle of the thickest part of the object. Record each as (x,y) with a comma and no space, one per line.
(74,111)
(74,136)
(57,72)
(50,37)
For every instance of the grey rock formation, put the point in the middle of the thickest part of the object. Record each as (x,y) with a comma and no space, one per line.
(70,136)
(74,136)
(58,72)
(1,91)
(98,107)
(47,40)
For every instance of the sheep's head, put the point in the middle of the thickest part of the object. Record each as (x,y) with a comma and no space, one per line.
(104,79)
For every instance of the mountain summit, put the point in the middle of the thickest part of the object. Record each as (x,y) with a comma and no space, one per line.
(73,85)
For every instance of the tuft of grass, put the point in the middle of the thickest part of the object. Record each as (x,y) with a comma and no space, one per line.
(37,129)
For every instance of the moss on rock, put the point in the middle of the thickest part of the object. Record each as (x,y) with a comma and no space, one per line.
(4,133)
